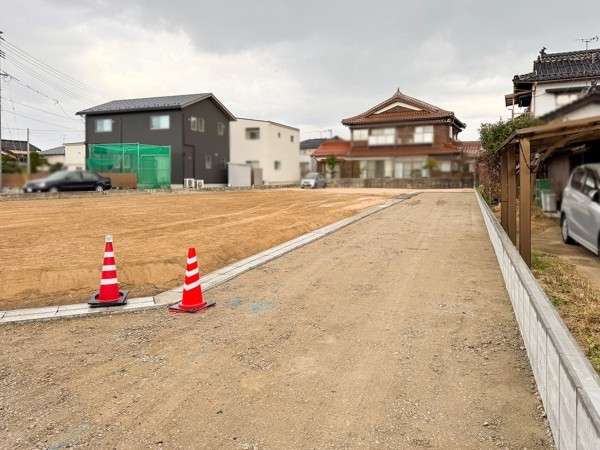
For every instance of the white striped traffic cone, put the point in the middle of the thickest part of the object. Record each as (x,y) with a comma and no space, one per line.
(109,293)
(192,300)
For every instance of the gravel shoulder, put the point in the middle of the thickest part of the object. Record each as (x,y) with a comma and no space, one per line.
(395,332)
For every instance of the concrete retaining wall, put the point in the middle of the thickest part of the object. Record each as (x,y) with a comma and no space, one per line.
(567,383)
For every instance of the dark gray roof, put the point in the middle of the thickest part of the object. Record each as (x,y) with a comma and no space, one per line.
(563,66)
(54,151)
(152,104)
(10,144)
(310,144)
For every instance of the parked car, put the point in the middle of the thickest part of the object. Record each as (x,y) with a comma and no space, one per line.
(580,209)
(313,180)
(80,180)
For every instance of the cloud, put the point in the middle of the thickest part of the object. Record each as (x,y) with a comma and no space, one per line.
(305,63)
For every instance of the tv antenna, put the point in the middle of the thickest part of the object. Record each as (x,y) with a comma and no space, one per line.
(588,40)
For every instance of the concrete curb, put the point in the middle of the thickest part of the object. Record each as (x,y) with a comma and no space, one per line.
(568,384)
(209,281)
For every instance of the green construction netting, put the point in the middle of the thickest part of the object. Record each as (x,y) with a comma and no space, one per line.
(151,163)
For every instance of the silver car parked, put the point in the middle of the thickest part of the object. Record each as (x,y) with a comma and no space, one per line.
(580,210)
(313,180)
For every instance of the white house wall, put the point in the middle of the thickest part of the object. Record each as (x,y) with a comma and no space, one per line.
(275,143)
(545,102)
(584,112)
(75,156)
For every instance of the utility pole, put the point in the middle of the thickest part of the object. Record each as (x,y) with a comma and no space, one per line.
(1,77)
(28,159)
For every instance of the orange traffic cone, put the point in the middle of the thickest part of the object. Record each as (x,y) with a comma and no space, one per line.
(192,291)
(109,293)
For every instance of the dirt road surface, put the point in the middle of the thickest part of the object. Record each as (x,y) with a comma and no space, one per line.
(395,332)
(53,254)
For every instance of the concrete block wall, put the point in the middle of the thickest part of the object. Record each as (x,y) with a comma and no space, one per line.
(567,383)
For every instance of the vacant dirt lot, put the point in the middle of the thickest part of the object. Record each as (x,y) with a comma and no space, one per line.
(395,332)
(52,249)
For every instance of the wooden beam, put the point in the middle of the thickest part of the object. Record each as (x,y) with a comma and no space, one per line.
(504,190)
(512,192)
(525,202)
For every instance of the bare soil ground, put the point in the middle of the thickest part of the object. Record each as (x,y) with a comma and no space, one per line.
(52,248)
(395,332)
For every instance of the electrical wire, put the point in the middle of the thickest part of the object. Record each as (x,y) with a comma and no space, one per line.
(52,71)
(41,110)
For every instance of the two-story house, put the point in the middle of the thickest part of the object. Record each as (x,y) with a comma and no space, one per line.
(557,79)
(195,127)
(402,137)
(269,146)
(561,87)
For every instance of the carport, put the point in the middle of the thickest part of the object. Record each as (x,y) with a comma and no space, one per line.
(529,148)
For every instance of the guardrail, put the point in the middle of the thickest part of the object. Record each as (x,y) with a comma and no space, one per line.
(568,385)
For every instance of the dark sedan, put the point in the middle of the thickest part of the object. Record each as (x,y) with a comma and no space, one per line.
(79,180)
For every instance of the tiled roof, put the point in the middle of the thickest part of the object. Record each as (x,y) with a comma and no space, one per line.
(424,112)
(152,103)
(54,151)
(18,146)
(409,150)
(561,66)
(309,144)
(334,147)
(471,148)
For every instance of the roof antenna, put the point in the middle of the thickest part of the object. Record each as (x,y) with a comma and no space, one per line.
(588,40)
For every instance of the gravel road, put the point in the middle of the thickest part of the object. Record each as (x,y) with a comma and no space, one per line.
(395,332)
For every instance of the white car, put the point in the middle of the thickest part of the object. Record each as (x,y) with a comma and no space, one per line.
(580,209)
(313,180)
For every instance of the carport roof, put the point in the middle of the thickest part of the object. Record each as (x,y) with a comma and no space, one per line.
(556,135)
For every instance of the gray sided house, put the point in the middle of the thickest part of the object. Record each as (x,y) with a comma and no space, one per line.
(196,127)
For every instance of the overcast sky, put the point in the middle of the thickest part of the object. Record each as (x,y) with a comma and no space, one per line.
(307,64)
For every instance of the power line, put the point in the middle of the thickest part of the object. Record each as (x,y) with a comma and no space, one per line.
(41,110)
(52,71)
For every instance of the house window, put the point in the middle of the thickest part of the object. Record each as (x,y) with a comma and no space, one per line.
(277,165)
(161,122)
(291,138)
(103,125)
(208,162)
(445,166)
(382,136)
(253,133)
(424,135)
(360,135)
(223,162)
(197,124)
(220,128)
(254,164)
(278,135)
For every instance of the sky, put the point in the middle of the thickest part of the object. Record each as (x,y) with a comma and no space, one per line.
(307,64)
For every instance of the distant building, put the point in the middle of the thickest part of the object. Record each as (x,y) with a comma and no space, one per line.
(269,146)
(401,137)
(70,155)
(195,127)
(17,149)
(54,155)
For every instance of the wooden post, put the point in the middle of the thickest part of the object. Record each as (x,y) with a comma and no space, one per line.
(504,190)
(512,192)
(525,202)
